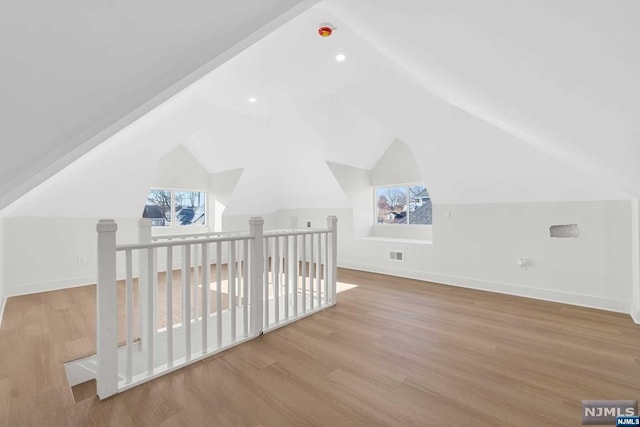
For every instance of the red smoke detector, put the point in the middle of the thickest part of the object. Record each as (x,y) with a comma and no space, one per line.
(326,30)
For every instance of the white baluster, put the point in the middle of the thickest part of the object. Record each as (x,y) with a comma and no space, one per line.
(332,224)
(318,270)
(311,272)
(257,262)
(169,294)
(231,284)
(266,282)
(219,293)
(304,273)
(152,309)
(196,278)
(294,269)
(186,300)
(287,274)
(276,279)
(206,270)
(144,236)
(326,268)
(129,307)
(245,288)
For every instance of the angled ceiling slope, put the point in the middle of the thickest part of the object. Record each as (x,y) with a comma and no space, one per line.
(563,77)
(77,72)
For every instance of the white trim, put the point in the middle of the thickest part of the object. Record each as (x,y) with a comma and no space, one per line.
(55,285)
(397,240)
(635,315)
(3,304)
(590,301)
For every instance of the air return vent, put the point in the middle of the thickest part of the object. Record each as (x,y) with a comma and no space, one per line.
(396,256)
(568,230)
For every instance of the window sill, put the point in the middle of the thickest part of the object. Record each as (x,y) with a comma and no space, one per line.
(397,240)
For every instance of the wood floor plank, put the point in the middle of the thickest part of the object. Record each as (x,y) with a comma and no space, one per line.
(392,352)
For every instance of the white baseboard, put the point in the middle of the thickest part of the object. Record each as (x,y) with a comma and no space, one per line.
(33,288)
(590,301)
(635,315)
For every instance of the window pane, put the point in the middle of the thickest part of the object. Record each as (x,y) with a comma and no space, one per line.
(158,208)
(391,205)
(420,211)
(190,207)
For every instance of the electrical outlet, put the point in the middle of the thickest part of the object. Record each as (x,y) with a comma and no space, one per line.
(522,263)
(82,260)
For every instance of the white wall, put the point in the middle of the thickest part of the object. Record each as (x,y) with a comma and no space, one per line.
(396,166)
(479,245)
(43,253)
(635,258)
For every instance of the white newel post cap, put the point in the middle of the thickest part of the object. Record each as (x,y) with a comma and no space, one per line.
(256,220)
(106,226)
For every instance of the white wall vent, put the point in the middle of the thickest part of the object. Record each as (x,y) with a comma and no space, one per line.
(396,256)
(568,230)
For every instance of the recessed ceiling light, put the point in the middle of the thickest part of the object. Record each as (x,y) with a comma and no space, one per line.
(341,57)
(253,100)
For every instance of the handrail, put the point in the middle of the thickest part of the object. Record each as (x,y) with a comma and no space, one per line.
(207,233)
(296,232)
(134,246)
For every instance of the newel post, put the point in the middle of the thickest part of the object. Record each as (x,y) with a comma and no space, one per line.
(256,266)
(332,224)
(144,286)
(106,301)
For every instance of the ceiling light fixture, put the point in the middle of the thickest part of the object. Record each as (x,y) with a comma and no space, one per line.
(341,57)
(253,100)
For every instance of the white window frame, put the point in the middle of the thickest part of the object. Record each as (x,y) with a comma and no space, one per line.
(174,224)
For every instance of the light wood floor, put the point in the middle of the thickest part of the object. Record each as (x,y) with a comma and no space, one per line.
(392,352)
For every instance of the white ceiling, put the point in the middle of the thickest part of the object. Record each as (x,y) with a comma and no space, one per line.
(562,75)
(500,101)
(72,73)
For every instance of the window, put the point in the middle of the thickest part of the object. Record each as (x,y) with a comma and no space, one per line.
(403,204)
(175,207)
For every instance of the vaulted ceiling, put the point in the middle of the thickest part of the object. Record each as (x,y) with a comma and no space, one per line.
(500,101)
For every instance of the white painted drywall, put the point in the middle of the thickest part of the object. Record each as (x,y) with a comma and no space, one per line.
(491,59)
(75,70)
(635,258)
(356,184)
(42,253)
(396,166)
(178,169)
(478,246)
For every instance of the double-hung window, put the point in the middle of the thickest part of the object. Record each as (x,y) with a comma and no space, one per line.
(403,204)
(167,207)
